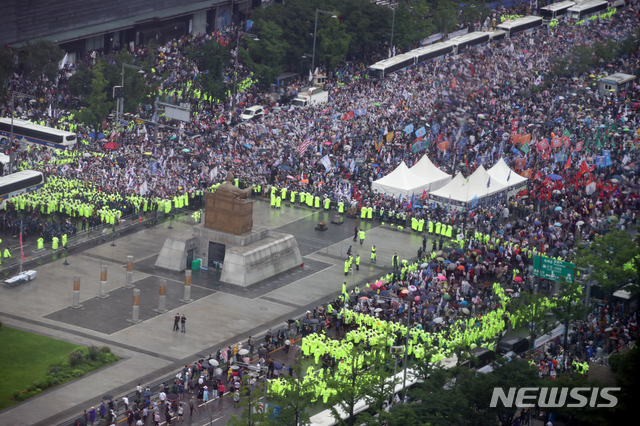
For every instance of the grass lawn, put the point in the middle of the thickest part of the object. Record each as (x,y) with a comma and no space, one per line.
(25,357)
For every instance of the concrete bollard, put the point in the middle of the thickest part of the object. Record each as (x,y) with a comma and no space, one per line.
(76,292)
(187,287)
(103,282)
(129,274)
(136,306)
(162,303)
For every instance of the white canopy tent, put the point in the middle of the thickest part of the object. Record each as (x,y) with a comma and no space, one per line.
(476,187)
(401,181)
(503,174)
(428,171)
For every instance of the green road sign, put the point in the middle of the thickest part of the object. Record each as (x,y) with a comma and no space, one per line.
(552,269)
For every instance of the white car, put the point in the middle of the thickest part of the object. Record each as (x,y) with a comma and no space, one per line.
(252,113)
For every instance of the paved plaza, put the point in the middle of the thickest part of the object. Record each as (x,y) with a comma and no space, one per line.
(219,315)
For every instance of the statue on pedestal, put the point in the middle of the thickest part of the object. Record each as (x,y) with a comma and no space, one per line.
(229,186)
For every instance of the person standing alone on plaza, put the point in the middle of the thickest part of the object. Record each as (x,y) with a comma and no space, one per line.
(176,321)
(183,322)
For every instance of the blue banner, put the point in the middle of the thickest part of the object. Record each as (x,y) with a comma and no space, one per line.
(559,158)
(408,129)
(435,129)
(361,111)
(153,168)
(483,160)
(601,161)
(420,132)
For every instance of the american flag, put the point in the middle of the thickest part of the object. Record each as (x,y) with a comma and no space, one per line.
(303,146)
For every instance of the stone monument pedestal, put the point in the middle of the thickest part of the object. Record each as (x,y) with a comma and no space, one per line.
(248,254)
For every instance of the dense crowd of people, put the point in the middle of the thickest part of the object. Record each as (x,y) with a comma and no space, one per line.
(470,101)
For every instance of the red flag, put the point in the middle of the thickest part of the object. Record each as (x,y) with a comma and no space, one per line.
(566,166)
(348,116)
(21,250)
(537,176)
(584,168)
(424,194)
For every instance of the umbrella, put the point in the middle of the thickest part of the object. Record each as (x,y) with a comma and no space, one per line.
(80,421)
(461,267)
(413,288)
(537,223)
(491,255)
(459,251)
(557,224)
(393,287)
(465,310)
(405,291)
(375,165)
(433,264)
(385,293)
(438,320)
(440,259)
(554,177)
(107,396)
(214,363)
(277,366)
(423,297)
(315,321)
(243,351)
(235,367)
(364,298)
(442,277)
(578,223)
(416,299)
(518,279)
(446,297)
(185,150)
(148,393)
(424,265)
(431,309)
(172,396)
(464,303)
(558,208)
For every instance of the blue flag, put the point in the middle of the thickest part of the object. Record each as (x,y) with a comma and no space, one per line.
(489,182)
(509,177)
(474,202)
(408,129)
(420,132)
(249,25)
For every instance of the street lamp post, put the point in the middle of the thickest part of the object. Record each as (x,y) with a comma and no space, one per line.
(120,101)
(12,155)
(235,71)
(315,29)
(393,23)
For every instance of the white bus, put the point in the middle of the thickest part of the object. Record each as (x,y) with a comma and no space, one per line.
(434,52)
(26,132)
(556,10)
(526,24)
(388,66)
(497,35)
(19,183)
(587,9)
(477,38)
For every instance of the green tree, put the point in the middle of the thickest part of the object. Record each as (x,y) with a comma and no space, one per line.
(627,369)
(266,56)
(608,254)
(570,305)
(333,43)
(40,58)
(6,70)
(531,308)
(295,400)
(211,58)
(479,390)
(96,106)
(445,17)
(353,382)
(249,400)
